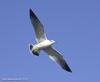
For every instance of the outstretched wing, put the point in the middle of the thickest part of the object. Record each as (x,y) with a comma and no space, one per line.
(38,27)
(57,57)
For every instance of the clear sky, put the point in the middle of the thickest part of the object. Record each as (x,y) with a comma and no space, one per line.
(73,24)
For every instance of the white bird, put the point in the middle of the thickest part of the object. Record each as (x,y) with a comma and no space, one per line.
(44,44)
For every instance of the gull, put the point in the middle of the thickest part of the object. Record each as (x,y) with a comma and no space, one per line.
(42,43)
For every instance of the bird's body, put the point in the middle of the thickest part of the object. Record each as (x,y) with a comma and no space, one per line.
(45,44)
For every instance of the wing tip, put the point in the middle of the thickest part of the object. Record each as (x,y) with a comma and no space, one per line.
(31,12)
(66,67)
(33,17)
(69,70)
(30,9)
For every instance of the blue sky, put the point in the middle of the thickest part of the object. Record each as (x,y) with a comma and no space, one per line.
(74,25)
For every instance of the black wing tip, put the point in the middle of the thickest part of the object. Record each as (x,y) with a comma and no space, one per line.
(66,67)
(32,15)
(69,70)
(31,12)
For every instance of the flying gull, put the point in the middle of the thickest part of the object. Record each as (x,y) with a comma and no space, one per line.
(44,44)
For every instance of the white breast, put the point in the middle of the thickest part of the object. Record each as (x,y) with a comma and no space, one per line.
(44,44)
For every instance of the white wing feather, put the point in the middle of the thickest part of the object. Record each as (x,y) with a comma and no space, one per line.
(38,27)
(58,58)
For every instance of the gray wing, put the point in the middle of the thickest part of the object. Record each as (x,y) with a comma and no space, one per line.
(57,57)
(38,27)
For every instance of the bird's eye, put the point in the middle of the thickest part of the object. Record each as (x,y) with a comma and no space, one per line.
(31,46)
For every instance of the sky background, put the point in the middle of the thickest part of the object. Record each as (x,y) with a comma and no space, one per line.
(73,24)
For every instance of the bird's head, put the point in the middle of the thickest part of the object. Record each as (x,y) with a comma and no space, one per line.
(34,51)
